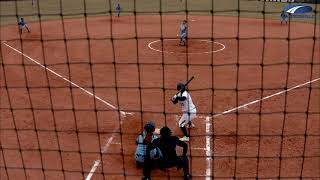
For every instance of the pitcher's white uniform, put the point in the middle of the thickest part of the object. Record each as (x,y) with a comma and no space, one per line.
(188,109)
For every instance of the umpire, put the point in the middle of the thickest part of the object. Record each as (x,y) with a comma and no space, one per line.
(167,145)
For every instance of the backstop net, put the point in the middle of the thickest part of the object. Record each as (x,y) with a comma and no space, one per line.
(77,89)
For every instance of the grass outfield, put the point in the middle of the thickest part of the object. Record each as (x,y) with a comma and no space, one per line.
(53,9)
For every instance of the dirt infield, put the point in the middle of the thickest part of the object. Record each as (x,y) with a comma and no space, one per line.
(51,130)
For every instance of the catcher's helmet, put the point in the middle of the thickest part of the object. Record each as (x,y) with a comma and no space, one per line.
(149,127)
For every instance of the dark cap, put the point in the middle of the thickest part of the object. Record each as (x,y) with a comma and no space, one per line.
(165,132)
(149,127)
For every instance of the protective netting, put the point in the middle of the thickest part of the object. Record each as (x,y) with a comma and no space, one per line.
(77,90)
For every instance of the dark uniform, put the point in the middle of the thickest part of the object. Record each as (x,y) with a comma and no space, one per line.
(167,144)
(118,9)
(22,24)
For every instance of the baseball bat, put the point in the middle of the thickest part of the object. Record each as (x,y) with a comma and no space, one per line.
(186,84)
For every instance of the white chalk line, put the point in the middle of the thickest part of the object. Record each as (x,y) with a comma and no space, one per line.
(103,150)
(245,106)
(208,149)
(208,141)
(208,123)
(93,169)
(115,143)
(123,113)
(171,52)
(264,98)
(203,149)
(67,80)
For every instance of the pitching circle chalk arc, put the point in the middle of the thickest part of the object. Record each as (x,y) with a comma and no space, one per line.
(172,52)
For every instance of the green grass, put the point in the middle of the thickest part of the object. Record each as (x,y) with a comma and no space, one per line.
(53,9)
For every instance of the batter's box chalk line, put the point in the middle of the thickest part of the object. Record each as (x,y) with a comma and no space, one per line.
(93,169)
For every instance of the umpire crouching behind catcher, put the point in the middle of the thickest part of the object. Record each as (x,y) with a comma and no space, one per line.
(167,144)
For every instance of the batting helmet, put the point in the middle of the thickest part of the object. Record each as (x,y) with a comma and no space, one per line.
(181,87)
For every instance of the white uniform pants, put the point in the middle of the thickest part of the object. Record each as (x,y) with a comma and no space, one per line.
(186,118)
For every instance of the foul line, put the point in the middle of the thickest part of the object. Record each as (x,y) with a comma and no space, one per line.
(264,98)
(208,123)
(245,106)
(208,128)
(67,80)
(109,141)
(207,119)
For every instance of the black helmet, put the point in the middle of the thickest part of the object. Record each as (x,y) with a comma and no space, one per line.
(181,87)
(165,132)
(149,127)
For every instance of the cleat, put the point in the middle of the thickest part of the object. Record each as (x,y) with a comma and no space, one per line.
(190,125)
(187,177)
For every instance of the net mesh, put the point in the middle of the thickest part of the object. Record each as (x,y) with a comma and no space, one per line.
(77,90)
